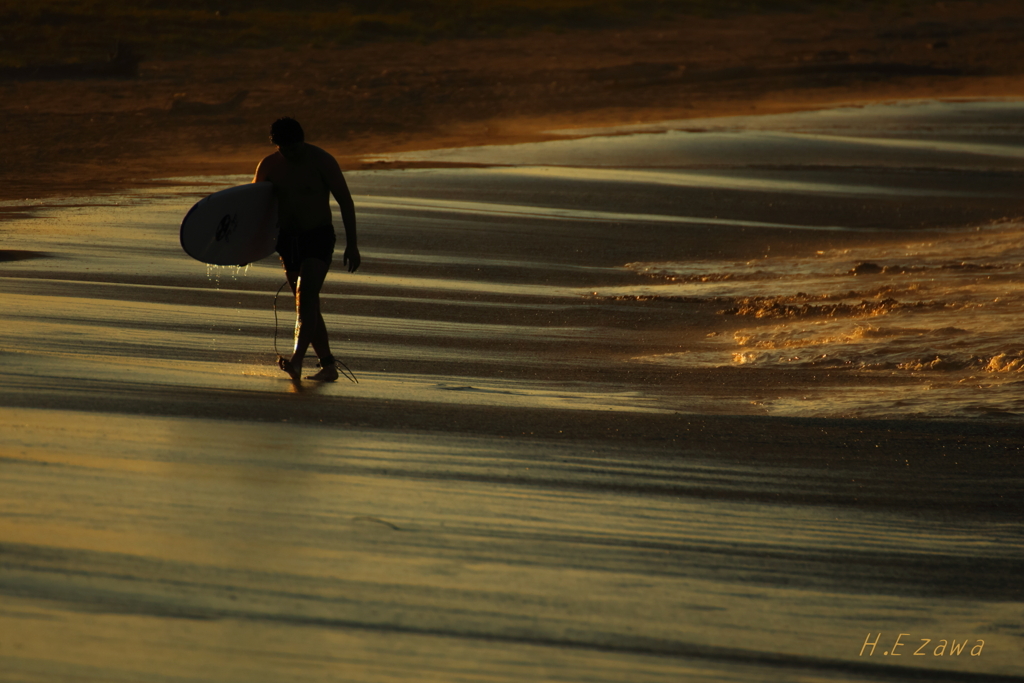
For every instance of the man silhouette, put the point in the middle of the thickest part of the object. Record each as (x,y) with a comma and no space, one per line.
(304,178)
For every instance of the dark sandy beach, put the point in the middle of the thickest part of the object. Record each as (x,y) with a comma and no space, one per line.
(645,402)
(209,113)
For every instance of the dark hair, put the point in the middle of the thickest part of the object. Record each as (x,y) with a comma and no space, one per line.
(286,131)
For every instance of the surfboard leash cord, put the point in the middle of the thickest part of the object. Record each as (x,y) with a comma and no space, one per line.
(343,369)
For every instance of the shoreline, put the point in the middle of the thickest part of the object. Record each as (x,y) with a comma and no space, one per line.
(208,115)
(88,178)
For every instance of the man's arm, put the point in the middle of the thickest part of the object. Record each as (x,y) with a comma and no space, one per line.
(339,188)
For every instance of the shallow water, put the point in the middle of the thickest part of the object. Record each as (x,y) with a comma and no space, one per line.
(940,308)
(946,311)
(873,242)
(548,469)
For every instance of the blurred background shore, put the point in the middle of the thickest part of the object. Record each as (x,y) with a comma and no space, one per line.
(96,96)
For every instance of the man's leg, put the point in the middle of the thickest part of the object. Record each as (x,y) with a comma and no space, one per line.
(309,323)
(318,340)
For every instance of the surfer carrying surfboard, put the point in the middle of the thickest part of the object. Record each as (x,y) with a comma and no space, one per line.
(304,179)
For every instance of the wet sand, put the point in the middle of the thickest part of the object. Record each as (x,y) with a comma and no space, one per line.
(532,480)
(511,491)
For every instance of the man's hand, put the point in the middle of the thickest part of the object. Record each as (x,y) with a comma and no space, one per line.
(351,259)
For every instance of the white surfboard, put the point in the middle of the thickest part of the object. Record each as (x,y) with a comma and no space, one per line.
(233,227)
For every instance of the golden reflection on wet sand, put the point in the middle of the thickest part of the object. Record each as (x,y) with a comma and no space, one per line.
(518,488)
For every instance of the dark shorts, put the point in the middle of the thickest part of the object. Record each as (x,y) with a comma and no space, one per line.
(296,247)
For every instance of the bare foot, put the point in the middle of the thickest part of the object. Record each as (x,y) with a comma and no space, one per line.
(289,367)
(328,372)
